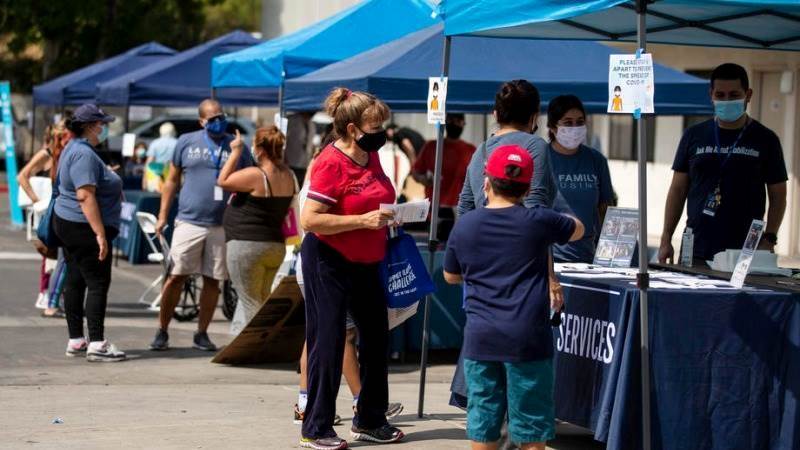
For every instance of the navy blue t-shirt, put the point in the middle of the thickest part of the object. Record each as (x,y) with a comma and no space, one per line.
(502,255)
(756,162)
(583,182)
(201,159)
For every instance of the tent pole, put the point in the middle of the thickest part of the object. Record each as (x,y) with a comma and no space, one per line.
(127,120)
(33,128)
(643,278)
(433,244)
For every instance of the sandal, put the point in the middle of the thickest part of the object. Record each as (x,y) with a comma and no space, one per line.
(57,314)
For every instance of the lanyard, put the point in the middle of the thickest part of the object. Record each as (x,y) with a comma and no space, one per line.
(218,156)
(718,147)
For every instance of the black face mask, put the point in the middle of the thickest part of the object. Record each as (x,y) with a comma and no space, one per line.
(453,131)
(371,142)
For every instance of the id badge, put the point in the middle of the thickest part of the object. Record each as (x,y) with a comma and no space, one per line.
(712,202)
(217,194)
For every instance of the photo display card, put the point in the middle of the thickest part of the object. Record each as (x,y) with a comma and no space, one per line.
(618,238)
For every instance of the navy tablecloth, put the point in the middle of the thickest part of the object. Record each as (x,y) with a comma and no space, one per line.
(725,366)
(131,240)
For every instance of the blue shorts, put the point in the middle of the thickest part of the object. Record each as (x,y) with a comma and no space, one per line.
(523,390)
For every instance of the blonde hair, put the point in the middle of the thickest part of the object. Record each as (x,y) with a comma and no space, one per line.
(346,106)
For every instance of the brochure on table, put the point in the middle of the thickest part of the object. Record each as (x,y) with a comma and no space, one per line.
(618,238)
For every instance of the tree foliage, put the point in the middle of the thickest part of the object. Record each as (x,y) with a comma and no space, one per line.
(70,35)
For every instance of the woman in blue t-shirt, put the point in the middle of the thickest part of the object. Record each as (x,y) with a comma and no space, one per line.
(87,218)
(581,175)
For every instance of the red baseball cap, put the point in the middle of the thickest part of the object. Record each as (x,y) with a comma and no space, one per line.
(510,155)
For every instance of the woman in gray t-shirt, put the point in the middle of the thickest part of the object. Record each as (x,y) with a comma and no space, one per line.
(87,218)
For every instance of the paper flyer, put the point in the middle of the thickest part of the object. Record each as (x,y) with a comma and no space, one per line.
(409,212)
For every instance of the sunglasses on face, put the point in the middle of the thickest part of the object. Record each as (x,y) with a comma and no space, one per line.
(217,118)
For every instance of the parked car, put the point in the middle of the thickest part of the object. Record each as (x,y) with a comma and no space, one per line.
(148,131)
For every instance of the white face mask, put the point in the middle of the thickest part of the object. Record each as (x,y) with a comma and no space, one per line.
(571,137)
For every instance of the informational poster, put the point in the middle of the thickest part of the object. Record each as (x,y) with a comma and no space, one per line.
(281,122)
(631,85)
(128,144)
(618,238)
(140,113)
(746,256)
(437,96)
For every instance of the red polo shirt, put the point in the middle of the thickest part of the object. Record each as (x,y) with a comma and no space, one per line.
(350,189)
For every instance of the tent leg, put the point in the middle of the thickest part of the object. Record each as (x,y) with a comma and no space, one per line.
(127,121)
(643,278)
(33,128)
(432,241)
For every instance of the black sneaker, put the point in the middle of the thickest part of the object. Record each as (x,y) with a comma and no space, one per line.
(161,341)
(202,342)
(392,411)
(383,435)
(334,443)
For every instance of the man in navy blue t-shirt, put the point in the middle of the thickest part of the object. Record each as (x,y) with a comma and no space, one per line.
(500,252)
(724,170)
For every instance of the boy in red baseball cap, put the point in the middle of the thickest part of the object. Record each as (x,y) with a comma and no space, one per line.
(500,253)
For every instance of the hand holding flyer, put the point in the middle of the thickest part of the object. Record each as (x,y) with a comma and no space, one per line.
(409,212)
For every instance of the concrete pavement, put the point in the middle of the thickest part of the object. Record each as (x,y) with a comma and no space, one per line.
(171,400)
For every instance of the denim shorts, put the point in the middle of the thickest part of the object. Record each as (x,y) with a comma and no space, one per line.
(523,390)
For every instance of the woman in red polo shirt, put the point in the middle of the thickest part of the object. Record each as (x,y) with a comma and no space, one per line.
(345,242)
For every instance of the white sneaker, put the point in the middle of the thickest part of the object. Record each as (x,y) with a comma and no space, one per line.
(104,351)
(76,347)
(43,300)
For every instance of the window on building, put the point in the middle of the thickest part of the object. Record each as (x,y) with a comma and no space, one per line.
(623,138)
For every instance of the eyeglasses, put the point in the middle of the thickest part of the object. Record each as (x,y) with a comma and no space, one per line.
(218,117)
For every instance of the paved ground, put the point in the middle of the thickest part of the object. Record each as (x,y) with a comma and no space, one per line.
(168,400)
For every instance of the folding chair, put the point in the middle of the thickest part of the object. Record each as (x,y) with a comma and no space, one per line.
(187,308)
(147,222)
(43,187)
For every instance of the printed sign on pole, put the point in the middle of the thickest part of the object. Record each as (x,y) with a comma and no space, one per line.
(748,251)
(631,85)
(437,96)
(11,154)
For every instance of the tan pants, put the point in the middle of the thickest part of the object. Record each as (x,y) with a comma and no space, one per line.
(252,266)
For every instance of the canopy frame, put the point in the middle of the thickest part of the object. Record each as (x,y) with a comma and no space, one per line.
(642,278)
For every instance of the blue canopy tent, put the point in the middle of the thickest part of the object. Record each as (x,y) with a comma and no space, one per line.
(78,87)
(766,24)
(398,73)
(354,30)
(183,79)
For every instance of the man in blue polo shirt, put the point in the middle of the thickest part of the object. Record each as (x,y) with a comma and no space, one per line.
(198,240)
(724,169)
(500,253)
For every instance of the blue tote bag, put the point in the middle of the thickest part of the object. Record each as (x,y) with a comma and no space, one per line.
(404,275)
(45,232)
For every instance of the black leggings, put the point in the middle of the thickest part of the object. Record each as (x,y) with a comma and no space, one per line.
(333,286)
(87,277)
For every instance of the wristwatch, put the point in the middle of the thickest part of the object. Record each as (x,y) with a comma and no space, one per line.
(772,238)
